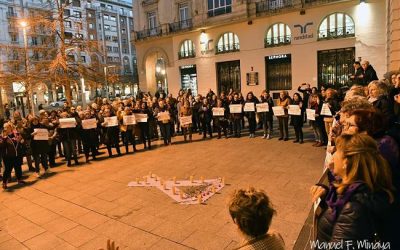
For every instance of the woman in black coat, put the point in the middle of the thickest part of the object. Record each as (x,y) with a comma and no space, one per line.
(89,136)
(359,205)
(297,120)
(111,134)
(267,117)
(206,118)
(40,148)
(251,116)
(68,138)
(144,126)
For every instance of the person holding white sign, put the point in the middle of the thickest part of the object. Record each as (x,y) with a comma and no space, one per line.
(221,122)
(236,117)
(317,124)
(206,117)
(127,131)
(40,149)
(297,120)
(284,101)
(68,137)
(186,111)
(165,124)
(267,117)
(251,102)
(144,126)
(89,136)
(111,134)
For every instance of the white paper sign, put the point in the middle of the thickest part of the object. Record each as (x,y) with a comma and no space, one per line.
(67,123)
(185,120)
(278,110)
(262,107)
(218,111)
(235,108)
(310,114)
(141,117)
(42,134)
(326,110)
(89,123)
(164,116)
(111,121)
(129,120)
(249,107)
(294,110)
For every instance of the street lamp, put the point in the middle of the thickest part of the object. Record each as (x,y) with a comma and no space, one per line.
(31,109)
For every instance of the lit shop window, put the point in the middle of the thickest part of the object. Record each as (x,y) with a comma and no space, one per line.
(228,42)
(336,25)
(187,50)
(278,34)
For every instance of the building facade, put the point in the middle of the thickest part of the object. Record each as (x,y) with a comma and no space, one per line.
(106,25)
(257,45)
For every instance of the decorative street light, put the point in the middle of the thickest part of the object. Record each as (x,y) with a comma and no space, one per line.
(28,89)
(106,81)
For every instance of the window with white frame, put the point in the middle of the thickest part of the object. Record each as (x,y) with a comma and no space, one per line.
(336,25)
(152,20)
(228,42)
(219,7)
(278,34)
(187,50)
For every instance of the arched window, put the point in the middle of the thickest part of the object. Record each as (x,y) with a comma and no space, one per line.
(187,50)
(228,42)
(336,25)
(278,34)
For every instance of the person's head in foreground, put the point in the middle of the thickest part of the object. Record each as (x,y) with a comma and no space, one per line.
(252,212)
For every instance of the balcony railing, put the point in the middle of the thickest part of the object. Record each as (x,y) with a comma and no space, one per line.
(273,6)
(148,2)
(277,41)
(182,25)
(11,14)
(340,32)
(227,48)
(315,2)
(148,33)
(186,54)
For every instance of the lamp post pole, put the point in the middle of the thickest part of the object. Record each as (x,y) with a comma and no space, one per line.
(28,87)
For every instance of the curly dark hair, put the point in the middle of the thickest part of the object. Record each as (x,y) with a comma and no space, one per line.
(252,211)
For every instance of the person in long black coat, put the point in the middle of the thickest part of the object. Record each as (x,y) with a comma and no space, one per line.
(89,137)
(221,122)
(40,148)
(144,126)
(206,118)
(251,116)
(68,138)
(111,134)
(297,120)
(267,117)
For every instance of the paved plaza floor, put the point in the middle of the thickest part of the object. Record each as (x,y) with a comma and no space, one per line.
(81,207)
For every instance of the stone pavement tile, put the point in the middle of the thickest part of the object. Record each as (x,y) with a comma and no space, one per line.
(84,200)
(68,194)
(146,222)
(59,225)
(43,199)
(78,236)
(6,213)
(18,204)
(102,206)
(100,242)
(46,241)
(288,230)
(7,197)
(12,244)
(203,222)
(42,216)
(113,229)
(4,236)
(44,186)
(21,229)
(119,212)
(138,239)
(93,190)
(72,211)
(111,195)
(29,209)
(205,240)
(131,201)
(167,244)
(91,220)
(28,192)
(174,231)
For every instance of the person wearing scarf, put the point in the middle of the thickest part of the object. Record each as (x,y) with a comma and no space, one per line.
(284,101)
(359,205)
